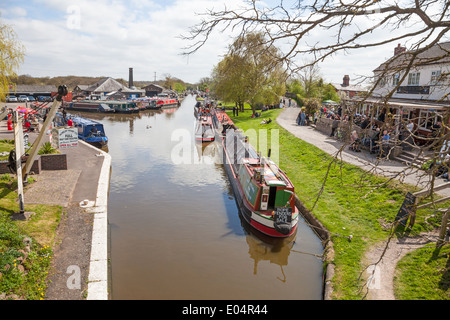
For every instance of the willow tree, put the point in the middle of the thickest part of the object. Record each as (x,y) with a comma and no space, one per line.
(229,80)
(12,55)
(249,73)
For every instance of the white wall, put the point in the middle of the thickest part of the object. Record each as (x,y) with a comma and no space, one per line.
(437,91)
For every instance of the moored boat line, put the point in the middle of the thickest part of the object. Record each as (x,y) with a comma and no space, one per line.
(264,194)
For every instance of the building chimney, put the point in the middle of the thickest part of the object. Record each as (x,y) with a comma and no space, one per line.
(399,49)
(130,78)
(346,81)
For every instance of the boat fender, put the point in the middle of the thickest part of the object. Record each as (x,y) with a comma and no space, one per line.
(282,228)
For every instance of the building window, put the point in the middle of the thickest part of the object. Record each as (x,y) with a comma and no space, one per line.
(435,77)
(427,119)
(395,79)
(413,79)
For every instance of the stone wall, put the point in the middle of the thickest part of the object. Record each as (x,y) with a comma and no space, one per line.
(54,162)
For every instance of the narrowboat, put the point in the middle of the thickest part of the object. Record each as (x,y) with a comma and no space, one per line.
(164,103)
(147,103)
(89,106)
(90,131)
(264,194)
(104,106)
(204,129)
(122,106)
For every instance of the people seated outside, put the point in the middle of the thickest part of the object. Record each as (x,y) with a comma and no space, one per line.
(384,147)
(354,138)
(365,123)
(375,141)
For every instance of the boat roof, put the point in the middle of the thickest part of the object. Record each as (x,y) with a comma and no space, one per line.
(85,122)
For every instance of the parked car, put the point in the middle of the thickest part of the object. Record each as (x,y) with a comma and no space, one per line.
(11,99)
(44,98)
(31,98)
(22,98)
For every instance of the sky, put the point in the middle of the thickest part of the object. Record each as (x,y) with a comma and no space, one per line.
(107,37)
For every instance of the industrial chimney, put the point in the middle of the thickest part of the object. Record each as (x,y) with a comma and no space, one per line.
(130,78)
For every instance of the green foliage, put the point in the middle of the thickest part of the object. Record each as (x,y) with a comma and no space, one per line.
(12,55)
(249,73)
(24,270)
(47,148)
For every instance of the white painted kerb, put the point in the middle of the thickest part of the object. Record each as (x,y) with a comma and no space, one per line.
(98,266)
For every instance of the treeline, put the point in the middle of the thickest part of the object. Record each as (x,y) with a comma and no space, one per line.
(72,81)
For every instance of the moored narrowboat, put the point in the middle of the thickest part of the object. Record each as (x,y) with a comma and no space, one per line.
(90,131)
(264,194)
(204,129)
(89,106)
(164,103)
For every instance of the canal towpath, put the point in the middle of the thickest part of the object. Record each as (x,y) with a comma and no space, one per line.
(391,252)
(79,267)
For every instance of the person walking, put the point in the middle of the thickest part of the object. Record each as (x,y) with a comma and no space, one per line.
(334,125)
(303,118)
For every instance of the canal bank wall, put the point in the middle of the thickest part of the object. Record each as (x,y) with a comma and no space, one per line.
(98,263)
(328,251)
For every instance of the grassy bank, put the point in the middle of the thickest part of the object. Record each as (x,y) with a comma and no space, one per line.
(347,205)
(25,245)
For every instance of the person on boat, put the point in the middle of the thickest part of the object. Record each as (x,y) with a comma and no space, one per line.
(70,122)
(93,130)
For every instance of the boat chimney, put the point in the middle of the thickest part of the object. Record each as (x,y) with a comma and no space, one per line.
(130,78)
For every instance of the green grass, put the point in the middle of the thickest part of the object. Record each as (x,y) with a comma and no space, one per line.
(6,146)
(30,282)
(424,274)
(348,204)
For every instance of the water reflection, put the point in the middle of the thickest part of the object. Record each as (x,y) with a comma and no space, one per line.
(177,232)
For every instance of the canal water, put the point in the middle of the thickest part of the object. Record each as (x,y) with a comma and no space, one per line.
(175,230)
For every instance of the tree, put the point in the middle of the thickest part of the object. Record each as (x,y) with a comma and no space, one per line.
(11,56)
(249,73)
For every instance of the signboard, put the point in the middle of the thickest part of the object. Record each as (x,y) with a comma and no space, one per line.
(64,137)
(406,209)
(283,215)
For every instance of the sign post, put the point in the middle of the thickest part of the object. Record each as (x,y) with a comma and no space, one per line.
(407,209)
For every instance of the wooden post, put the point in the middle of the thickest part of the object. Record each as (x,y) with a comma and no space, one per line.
(20,151)
(443,230)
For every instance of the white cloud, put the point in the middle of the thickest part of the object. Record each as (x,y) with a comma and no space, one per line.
(95,38)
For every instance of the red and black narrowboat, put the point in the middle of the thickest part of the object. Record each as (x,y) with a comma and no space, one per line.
(263,192)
